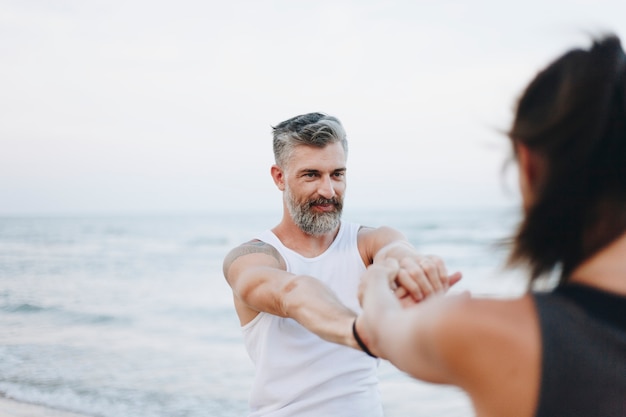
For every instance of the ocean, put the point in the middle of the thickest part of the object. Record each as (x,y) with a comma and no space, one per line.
(130,315)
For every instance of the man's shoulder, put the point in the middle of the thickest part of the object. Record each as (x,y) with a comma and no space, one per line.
(371,231)
(251,247)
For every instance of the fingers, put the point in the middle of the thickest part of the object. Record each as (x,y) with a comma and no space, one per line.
(399,291)
(423,276)
(407,301)
(454,278)
(387,270)
(405,298)
(436,272)
(413,280)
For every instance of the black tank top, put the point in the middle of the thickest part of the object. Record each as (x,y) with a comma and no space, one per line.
(583,371)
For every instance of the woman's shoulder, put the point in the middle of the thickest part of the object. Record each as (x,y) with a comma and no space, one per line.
(494,347)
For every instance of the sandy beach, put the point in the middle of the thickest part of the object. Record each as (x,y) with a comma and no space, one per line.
(11,408)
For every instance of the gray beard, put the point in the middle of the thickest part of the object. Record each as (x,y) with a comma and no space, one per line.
(310,222)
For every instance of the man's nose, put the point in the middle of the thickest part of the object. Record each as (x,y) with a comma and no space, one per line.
(326,188)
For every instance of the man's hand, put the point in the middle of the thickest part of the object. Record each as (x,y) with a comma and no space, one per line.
(418,277)
(421,276)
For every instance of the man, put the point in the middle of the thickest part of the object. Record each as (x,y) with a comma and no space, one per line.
(295,286)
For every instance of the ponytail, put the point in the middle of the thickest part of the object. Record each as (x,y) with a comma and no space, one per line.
(573,116)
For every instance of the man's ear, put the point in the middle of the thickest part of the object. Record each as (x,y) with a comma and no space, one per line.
(278,176)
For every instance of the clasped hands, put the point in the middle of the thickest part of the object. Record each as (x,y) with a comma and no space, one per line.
(414,278)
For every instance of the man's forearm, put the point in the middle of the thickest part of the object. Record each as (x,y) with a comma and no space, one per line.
(396,250)
(317,308)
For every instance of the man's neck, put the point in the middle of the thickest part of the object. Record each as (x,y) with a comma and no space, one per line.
(305,244)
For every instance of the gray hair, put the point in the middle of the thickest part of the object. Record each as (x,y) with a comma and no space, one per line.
(312,129)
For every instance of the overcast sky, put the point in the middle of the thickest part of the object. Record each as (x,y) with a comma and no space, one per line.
(143,105)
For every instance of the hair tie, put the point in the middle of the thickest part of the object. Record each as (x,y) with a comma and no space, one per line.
(360,342)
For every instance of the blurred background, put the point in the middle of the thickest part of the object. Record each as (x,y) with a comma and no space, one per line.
(161,106)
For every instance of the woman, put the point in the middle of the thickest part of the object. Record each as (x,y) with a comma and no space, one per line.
(559,353)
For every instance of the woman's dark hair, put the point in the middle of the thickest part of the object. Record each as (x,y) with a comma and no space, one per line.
(572,118)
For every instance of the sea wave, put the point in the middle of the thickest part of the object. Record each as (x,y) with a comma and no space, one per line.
(62,314)
(131,316)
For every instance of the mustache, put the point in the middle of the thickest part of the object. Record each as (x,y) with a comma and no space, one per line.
(319,201)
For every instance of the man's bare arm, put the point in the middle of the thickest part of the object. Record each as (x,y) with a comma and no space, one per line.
(257,275)
(252,246)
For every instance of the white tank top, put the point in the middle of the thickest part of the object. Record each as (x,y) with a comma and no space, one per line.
(297,373)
